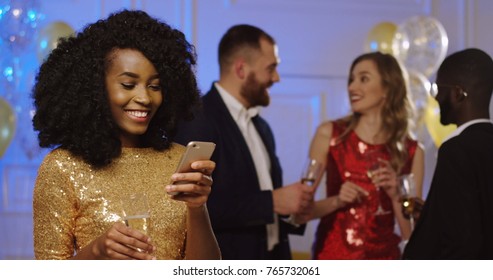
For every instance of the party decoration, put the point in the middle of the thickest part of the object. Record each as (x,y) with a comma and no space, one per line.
(438,132)
(7,125)
(420,43)
(18,22)
(419,90)
(380,38)
(48,37)
(10,75)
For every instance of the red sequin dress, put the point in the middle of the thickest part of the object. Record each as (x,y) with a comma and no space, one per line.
(357,231)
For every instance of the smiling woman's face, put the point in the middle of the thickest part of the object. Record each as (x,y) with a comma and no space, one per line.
(366,92)
(134,93)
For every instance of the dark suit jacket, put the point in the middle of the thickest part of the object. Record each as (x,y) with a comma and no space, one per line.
(238,209)
(457,218)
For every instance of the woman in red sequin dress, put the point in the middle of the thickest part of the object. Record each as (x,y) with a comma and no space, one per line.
(358,215)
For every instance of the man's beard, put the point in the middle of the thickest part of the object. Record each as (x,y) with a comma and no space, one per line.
(254,92)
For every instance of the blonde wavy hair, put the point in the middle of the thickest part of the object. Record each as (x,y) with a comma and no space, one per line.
(396,112)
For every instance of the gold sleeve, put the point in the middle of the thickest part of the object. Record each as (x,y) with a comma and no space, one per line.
(54,210)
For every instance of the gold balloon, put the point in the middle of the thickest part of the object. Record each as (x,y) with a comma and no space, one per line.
(7,125)
(380,38)
(437,131)
(48,37)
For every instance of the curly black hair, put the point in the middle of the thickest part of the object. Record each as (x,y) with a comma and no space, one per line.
(70,96)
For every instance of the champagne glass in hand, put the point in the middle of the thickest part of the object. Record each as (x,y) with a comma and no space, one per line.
(312,172)
(410,202)
(136,212)
(311,176)
(373,163)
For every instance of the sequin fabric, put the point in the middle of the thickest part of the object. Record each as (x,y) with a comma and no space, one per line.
(355,231)
(74,204)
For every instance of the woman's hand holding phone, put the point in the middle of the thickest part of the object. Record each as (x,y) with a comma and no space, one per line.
(192,180)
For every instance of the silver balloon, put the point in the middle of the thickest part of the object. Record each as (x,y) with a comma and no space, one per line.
(420,43)
(419,91)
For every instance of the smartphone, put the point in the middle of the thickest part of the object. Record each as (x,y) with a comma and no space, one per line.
(195,151)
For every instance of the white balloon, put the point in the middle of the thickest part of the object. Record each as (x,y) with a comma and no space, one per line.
(419,90)
(420,43)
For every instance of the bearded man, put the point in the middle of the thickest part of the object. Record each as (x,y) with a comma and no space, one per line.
(248,205)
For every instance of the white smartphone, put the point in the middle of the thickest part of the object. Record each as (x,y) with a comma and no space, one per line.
(196,150)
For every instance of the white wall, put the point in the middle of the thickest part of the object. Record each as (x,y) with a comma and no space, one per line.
(318,39)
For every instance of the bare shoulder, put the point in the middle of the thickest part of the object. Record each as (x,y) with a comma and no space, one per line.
(325,129)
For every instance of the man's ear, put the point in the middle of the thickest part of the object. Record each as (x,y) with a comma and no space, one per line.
(460,95)
(240,68)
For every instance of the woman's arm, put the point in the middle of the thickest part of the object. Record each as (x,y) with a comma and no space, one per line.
(118,243)
(417,170)
(54,211)
(319,147)
(350,192)
(201,242)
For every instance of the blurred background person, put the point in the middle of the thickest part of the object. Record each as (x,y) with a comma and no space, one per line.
(457,218)
(248,201)
(364,154)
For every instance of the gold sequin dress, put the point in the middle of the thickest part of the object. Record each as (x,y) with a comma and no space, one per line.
(74,203)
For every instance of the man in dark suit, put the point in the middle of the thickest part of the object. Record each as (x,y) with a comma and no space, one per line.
(457,218)
(248,205)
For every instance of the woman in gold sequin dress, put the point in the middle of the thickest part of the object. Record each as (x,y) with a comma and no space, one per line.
(108,100)
(359,213)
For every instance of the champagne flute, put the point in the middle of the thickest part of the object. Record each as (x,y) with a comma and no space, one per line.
(311,176)
(136,212)
(408,197)
(373,164)
(312,172)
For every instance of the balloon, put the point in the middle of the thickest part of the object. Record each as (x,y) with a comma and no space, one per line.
(18,19)
(419,90)
(438,132)
(380,38)
(48,37)
(420,43)
(7,125)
